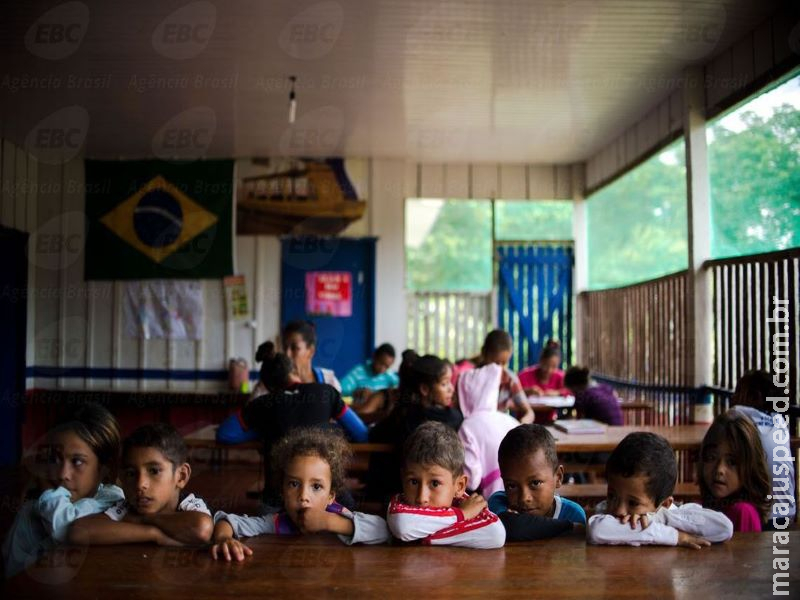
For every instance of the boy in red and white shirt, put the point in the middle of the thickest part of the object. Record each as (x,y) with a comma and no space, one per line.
(434,507)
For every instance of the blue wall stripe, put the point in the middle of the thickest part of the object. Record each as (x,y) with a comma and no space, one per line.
(110,373)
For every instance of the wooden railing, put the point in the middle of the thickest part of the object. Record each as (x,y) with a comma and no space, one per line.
(637,333)
(747,334)
(449,324)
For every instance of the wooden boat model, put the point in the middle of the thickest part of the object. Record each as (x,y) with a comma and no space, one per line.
(316,199)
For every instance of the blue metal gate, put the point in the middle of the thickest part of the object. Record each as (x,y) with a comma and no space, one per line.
(535,298)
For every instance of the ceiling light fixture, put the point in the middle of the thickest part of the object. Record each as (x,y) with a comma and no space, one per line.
(292,100)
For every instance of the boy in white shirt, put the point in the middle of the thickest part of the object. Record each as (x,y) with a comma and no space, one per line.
(641,475)
(434,508)
(156,507)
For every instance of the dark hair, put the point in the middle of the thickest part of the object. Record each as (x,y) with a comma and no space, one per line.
(326,444)
(576,378)
(744,442)
(497,340)
(264,350)
(649,455)
(385,349)
(434,443)
(160,436)
(96,426)
(275,367)
(551,348)
(526,440)
(753,389)
(306,329)
(422,370)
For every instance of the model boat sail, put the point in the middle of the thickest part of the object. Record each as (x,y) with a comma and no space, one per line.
(317,198)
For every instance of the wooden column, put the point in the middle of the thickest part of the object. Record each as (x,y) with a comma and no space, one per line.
(580,282)
(698,211)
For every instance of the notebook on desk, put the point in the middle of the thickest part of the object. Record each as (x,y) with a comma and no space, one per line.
(580,426)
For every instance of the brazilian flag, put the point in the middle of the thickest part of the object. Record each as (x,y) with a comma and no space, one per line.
(158,220)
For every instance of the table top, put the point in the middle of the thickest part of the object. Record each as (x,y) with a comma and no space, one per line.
(681,437)
(300,566)
(206,437)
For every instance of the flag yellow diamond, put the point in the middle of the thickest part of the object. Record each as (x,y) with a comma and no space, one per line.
(158,219)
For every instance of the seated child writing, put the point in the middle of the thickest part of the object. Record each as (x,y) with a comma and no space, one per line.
(156,507)
(79,465)
(641,475)
(310,465)
(733,471)
(434,507)
(529,508)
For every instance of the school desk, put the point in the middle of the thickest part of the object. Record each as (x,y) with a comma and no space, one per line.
(680,437)
(319,566)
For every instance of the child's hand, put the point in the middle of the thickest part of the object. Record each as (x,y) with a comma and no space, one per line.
(313,520)
(688,540)
(230,549)
(472,506)
(635,520)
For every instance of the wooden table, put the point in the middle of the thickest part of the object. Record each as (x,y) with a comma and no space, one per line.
(681,437)
(319,566)
(206,437)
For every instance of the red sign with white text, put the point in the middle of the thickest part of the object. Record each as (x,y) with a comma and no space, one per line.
(329,293)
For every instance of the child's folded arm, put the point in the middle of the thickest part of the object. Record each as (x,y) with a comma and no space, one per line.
(100,529)
(188,527)
(246,526)
(58,511)
(367,529)
(524,527)
(484,532)
(607,529)
(409,523)
(703,522)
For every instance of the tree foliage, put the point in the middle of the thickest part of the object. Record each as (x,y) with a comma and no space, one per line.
(755,184)
(637,225)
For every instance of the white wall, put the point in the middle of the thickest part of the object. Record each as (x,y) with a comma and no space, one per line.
(73,323)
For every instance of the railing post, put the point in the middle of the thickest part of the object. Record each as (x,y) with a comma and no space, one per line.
(580,282)
(698,211)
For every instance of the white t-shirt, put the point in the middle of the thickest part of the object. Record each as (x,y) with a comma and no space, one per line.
(190,502)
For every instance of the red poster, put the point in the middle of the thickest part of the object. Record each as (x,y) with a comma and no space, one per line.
(329,293)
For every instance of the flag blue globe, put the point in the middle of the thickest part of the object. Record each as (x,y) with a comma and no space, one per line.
(158,219)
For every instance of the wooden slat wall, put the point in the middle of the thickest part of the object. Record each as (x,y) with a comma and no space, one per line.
(745,333)
(637,333)
(74,323)
(496,181)
(449,324)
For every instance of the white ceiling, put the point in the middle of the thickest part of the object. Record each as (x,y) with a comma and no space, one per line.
(502,81)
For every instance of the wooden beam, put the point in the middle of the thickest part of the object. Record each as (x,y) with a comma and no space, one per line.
(698,211)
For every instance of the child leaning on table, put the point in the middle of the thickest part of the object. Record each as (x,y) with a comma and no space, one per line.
(156,507)
(733,471)
(434,507)
(641,475)
(529,508)
(309,465)
(79,465)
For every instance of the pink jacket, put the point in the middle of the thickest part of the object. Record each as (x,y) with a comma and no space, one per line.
(483,428)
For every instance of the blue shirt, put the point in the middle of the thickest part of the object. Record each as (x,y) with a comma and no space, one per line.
(565,509)
(42,523)
(361,376)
